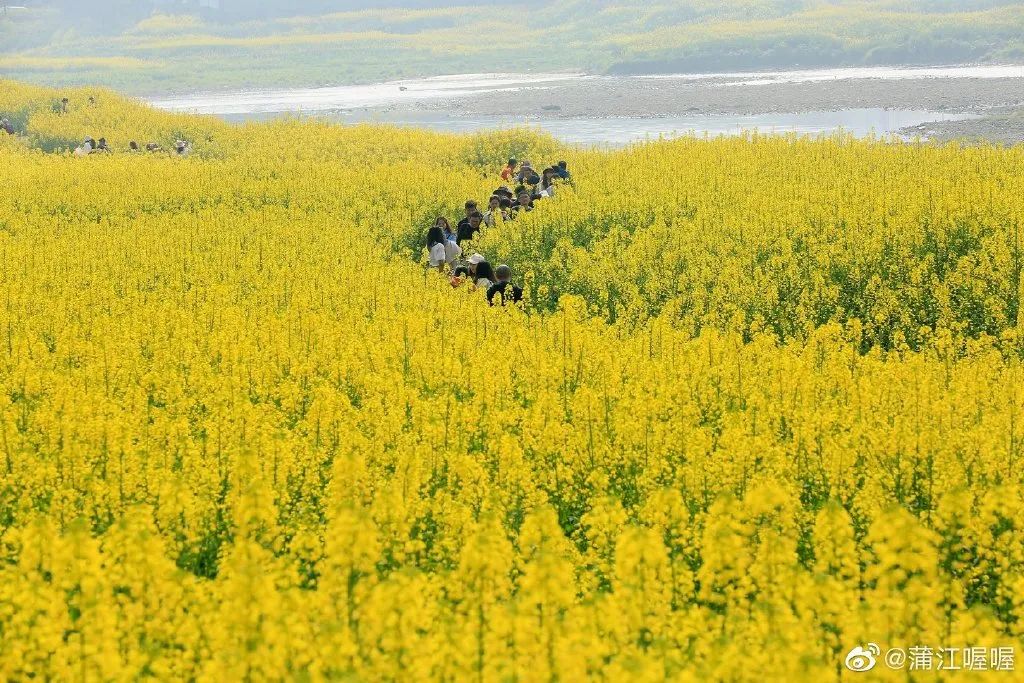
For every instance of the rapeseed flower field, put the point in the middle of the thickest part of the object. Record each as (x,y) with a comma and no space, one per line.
(761,405)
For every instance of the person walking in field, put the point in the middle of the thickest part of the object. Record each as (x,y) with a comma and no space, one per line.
(494,212)
(547,183)
(509,170)
(471,208)
(525,203)
(452,252)
(505,191)
(445,226)
(484,276)
(473,261)
(469,230)
(85,149)
(503,291)
(525,172)
(441,252)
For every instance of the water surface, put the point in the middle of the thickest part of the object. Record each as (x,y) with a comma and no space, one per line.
(616,132)
(394,103)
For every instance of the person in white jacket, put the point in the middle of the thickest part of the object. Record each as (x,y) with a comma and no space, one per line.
(85,149)
(442,252)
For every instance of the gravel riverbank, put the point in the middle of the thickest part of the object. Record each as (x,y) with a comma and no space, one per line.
(996,100)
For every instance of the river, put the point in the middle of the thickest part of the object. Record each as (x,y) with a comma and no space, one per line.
(436,103)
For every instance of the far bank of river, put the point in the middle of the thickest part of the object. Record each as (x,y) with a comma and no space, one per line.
(929,103)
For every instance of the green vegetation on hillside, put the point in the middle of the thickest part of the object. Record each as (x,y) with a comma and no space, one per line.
(218,49)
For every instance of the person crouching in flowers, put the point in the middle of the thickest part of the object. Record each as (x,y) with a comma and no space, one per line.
(442,252)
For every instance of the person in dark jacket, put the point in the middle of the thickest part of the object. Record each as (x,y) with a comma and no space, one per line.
(525,202)
(471,208)
(469,230)
(503,291)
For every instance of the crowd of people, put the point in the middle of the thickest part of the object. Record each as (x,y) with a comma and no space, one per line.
(445,244)
(90,145)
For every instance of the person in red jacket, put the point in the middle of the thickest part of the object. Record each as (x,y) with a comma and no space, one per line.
(509,170)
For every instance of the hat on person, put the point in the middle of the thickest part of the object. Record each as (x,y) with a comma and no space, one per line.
(475,260)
